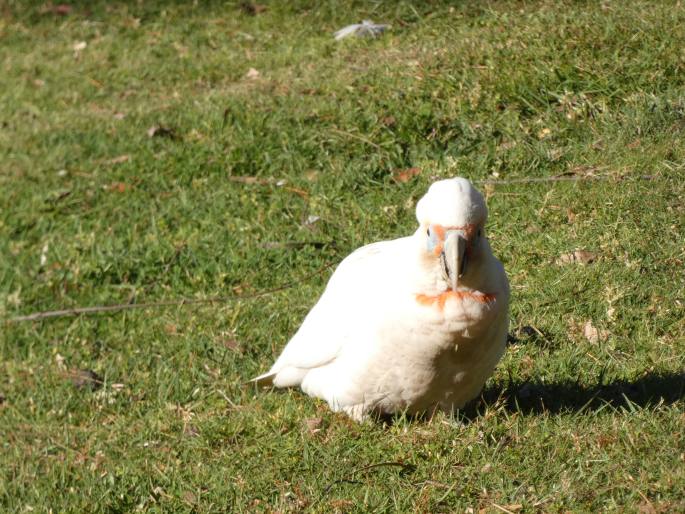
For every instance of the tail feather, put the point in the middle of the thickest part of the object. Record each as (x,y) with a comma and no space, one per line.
(288,376)
(265,379)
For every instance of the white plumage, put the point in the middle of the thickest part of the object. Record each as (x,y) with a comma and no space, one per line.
(409,325)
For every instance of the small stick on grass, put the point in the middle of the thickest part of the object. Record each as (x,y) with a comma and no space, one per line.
(562,178)
(97,309)
(357,137)
(502,509)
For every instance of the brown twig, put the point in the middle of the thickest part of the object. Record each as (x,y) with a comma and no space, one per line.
(355,136)
(502,509)
(243,179)
(278,245)
(561,178)
(76,311)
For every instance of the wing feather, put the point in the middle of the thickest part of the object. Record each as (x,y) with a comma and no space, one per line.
(327,328)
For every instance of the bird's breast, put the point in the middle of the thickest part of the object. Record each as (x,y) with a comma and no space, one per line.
(458,314)
(464,306)
(440,300)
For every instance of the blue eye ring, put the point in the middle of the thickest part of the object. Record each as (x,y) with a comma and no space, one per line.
(430,239)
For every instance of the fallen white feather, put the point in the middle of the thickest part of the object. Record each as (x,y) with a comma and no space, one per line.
(364,29)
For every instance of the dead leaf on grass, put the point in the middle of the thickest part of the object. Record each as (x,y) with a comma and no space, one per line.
(577,257)
(253,8)
(648,507)
(120,159)
(161,131)
(190,431)
(593,334)
(59,360)
(252,74)
(555,154)
(131,22)
(527,363)
(314,425)
(231,343)
(341,505)
(299,192)
(86,379)
(489,190)
(405,175)
(570,216)
(59,9)
(544,133)
(189,497)
(605,441)
(117,187)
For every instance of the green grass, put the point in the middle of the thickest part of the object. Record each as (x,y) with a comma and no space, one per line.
(506,89)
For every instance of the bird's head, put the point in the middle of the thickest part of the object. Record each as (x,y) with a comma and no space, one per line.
(452,218)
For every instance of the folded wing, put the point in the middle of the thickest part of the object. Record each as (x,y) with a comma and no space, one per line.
(336,317)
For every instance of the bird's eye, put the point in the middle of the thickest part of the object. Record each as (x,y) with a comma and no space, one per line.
(480,232)
(428,232)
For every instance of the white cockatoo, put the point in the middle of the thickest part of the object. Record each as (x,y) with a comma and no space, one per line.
(413,325)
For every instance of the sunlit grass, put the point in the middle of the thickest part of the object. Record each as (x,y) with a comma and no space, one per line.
(95,211)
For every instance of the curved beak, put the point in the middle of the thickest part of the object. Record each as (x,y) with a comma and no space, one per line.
(453,256)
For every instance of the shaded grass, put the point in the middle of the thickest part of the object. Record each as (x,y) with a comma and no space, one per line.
(517,90)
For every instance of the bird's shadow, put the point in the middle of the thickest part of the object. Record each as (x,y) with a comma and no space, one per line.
(537,397)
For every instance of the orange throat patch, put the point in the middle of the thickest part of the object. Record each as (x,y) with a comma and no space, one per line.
(441,299)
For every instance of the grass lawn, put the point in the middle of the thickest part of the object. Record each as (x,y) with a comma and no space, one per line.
(126,132)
